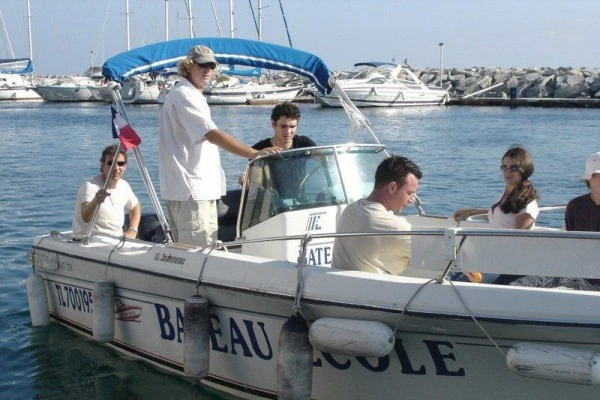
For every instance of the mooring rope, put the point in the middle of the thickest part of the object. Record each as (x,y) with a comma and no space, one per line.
(297,308)
(119,245)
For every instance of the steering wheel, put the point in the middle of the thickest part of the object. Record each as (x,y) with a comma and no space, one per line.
(302,184)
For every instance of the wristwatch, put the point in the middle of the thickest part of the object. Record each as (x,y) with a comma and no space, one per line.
(133,228)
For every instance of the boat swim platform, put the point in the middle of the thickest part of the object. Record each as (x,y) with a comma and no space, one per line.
(526,102)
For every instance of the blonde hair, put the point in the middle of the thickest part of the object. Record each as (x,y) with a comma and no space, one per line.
(184,66)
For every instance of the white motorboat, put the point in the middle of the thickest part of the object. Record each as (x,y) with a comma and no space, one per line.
(232,90)
(13,84)
(73,88)
(382,84)
(139,90)
(265,316)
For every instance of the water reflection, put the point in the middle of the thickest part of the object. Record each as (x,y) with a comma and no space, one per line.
(68,366)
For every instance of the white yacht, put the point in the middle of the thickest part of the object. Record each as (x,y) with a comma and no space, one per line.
(380,84)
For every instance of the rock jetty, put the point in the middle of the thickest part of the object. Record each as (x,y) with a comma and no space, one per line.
(558,83)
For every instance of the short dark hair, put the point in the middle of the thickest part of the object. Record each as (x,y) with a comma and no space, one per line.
(285,109)
(395,169)
(110,150)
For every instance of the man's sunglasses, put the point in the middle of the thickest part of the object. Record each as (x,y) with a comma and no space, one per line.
(208,65)
(119,163)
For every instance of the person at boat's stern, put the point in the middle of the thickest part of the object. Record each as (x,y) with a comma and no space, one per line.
(583,212)
(396,183)
(111,202)
(190,174)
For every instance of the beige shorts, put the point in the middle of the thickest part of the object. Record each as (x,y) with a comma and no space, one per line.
(193,221)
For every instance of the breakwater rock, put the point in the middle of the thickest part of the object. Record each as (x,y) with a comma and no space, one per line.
(563,82)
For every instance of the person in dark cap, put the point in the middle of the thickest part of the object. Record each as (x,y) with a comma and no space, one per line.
(190,174)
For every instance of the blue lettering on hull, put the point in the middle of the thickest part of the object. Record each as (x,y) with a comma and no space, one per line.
(250,339)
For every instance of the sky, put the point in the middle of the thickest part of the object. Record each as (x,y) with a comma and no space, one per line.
(70,35)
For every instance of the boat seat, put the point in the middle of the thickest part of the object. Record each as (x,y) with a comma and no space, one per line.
(150,229)
(227,213)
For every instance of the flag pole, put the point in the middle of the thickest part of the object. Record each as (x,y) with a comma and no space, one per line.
(116,95)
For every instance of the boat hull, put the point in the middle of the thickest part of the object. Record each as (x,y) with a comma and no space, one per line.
(237,96)
(19,94)
(370,96)
(438,353)
(55,93)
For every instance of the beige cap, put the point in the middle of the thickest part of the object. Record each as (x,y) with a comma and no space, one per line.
(202,55)
(592,166)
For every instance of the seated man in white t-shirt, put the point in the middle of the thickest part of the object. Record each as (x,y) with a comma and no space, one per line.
(396,182)
(111,201)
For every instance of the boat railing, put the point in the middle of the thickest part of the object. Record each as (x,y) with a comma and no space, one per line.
(435,252)
(499,251)
(482,217)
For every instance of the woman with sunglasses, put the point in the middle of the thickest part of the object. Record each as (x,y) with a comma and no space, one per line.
(517,207)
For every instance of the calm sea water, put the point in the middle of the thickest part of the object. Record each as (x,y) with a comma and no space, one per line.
(49,149)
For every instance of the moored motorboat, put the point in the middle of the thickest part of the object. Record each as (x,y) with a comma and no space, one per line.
(439,339)
(73,88)
(232,90)
(382,84)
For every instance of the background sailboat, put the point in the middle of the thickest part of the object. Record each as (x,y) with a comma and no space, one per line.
(14,85)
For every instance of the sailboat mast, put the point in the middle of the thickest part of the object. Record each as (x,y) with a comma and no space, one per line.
(286,25)
(10,49)
(190,17)
(29,31)
(260,20)
(216,18)
(166,20)
(127,25)
(231,28)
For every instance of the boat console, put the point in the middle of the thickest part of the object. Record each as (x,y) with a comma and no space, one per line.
(303,191)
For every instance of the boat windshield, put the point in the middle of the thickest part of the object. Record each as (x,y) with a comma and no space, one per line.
(308,178)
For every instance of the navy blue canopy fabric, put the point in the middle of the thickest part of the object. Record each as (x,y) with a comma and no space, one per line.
(244,52)
(16,66)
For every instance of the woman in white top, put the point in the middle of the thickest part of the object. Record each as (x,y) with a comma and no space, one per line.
(517,207)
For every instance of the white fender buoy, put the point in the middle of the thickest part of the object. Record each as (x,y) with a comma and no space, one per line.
(38,301)
(103,321)
(196,343)
(554,363)
(294,360)
(352,337)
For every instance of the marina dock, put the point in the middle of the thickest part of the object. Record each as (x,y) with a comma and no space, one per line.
(526,102)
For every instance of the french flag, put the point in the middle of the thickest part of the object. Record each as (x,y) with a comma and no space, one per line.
(123,131)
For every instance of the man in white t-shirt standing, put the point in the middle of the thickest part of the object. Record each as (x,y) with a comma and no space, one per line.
(190,173)
(396,182)
(111,202)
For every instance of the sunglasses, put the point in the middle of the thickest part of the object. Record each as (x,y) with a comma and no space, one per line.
(511,168)
(208,65)
(119,163)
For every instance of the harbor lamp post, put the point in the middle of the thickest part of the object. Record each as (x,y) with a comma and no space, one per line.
(441,61)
